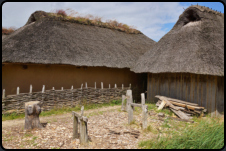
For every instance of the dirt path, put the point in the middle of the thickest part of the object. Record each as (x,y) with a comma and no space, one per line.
(46,118)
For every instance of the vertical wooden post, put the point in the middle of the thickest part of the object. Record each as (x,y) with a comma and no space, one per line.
(30,88)
(130,86)
(123,108)
(102,85)
(82,110)
(122,86)
(62,88)
(18,90)
(129,109)
(3,94)
(86,84)
(72,95)
(115,85)
(95,85)
(109,86)
(83,130)
(43,88)
(144,111)
(53,88)
(75,126)
(81,86)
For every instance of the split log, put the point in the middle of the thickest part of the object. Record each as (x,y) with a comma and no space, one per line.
(181,114)
(162,105)
(32,111)
(179,101)
(187,106)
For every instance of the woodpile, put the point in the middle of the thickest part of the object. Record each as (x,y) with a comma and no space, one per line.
(184,110)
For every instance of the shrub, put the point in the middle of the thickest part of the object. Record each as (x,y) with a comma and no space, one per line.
(8,31)
(61,12)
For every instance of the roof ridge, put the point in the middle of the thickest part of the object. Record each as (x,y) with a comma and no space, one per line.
(207,9)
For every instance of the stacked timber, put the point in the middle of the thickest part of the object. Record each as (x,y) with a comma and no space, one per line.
(182,109)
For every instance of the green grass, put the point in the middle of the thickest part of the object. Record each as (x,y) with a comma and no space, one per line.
(202,135)
(63,110)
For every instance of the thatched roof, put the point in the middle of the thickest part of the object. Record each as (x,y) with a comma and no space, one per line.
(194,45)
(49,40)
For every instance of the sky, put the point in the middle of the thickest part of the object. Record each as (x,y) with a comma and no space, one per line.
(153,19)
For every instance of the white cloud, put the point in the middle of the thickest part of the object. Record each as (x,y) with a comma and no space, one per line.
(148,17)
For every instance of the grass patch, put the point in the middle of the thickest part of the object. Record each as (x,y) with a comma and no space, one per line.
(203,135)
(63,110)
(151,129)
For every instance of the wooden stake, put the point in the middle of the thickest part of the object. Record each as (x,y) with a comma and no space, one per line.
(81,86)
(82,110)
(3,94)
(95,85)
(72,87)
(86,84)
(109,86)
(30,88)
(53,88)
(43,88)
(62,88)
(75,126)
(83,130)
(102,85)
(18,90)
(123,108)
(122,86)
(115,85)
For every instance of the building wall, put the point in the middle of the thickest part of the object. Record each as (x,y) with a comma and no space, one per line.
(57,76)
(205,90)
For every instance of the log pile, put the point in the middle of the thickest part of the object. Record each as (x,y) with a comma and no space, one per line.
(184,110)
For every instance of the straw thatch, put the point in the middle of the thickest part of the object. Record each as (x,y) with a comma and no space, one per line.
(194,45)
(48,40)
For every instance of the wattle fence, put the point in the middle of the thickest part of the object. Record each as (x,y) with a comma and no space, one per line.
(65,97)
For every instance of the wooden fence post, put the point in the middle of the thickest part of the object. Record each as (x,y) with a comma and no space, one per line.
(75,126)
(109,86)
(18,90)
(53,88)
(123,108)
(3,94)
(83,130)
(30,88)
(62,88)
(86,84)
(72,95)
(115,85)
(43,88)
(144,111)
(102,85)
(130,109)
(95,85)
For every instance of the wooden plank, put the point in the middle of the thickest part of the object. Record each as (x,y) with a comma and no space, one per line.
(157,84)
(192,88)
(196,88)
(148,88)
(220,96)
(135,104)
(179,101)
(161,105)
(144,116)
(208,94)
(213,96)
(181,114)
(188,106)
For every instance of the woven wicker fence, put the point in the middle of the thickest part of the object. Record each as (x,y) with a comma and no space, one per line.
(58,98)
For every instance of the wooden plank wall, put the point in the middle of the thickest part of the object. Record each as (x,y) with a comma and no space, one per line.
(205,90)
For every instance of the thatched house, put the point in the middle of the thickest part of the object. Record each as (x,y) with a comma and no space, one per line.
(188,62)
(57,52)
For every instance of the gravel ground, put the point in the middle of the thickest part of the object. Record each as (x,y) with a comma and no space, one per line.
(107,128)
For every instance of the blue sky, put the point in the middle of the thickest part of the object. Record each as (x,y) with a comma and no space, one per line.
(154,19)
